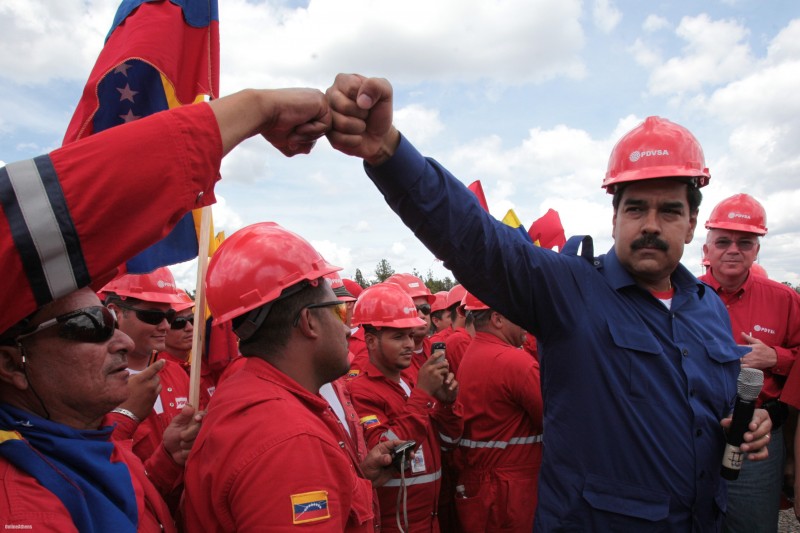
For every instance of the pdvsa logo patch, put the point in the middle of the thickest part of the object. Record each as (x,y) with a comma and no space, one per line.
(733,215)
(763,329)
(639,154)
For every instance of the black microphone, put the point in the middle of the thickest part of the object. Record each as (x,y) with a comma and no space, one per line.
(747,388)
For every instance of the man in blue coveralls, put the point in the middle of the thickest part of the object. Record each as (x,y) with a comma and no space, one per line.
(638,364)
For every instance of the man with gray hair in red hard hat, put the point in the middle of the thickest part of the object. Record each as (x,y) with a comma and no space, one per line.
(765,316)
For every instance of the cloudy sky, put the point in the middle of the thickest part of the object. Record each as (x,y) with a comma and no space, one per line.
(529,96)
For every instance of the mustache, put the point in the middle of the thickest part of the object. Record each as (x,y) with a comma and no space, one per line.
(649,240)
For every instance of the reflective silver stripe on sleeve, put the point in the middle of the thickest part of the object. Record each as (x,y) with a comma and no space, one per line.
(391,435)
(415,480)
(43,228)
(533,439)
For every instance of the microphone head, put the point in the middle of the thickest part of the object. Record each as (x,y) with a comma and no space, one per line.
(749,384)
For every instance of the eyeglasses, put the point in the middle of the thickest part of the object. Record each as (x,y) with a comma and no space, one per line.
(153,317)
(338,308)
(89,324)
(425,309)
(744,245)
(179,322)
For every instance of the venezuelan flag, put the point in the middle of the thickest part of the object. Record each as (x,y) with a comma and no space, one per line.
(310,507)
(511,219)
(158,55)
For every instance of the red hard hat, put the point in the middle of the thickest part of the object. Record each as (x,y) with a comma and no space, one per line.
(386,306)
(740,212)
(186,301)
(414,286)
(471,303)
(440,303)
(758,270)
(352,287)
(157,286)
(339,289)
(455,295)
(656,148)
(255,264)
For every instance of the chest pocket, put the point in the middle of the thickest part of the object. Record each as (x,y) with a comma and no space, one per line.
(644,364)
(724,353)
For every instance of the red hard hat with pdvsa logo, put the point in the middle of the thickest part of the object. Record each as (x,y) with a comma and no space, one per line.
(386,305)
(471,303)
(413,285)
(740,212)
(253,266)
(156,286)
(656,148)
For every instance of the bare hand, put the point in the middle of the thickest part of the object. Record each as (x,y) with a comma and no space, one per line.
(761,356)
(448,392)
(432,375)
(757,438)
(362,117)
(377,465)
(144,389)
(298,118)
(180,434)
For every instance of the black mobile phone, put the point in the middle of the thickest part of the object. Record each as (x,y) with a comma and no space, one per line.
(401,455)
(438,346)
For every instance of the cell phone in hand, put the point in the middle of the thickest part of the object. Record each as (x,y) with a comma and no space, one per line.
(401,455)
(438,346)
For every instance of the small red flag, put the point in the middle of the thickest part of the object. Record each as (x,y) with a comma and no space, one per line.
(477,190)
(548,230)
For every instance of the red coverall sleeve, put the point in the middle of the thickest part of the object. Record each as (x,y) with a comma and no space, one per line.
(448,420)
(125,427)
(524,386)
(411,424)
(790,348)
(271,492)
(153,170)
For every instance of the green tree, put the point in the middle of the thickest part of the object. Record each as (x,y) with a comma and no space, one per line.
(359,278)
(435,285)
(383,270)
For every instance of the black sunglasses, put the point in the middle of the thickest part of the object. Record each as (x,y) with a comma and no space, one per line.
(179,322)
(425,309)
(89,324)
(153,317)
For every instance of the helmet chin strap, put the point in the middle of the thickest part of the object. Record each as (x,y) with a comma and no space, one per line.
(28,379)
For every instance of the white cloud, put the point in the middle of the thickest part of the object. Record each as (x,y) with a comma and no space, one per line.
(516,41)
(418,122)
(605,15)
(653,23)
(644,55)
(715,52)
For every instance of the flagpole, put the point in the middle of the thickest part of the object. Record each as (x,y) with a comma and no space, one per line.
(198,338)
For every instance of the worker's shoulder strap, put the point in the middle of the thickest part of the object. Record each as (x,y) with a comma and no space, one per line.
(584,242)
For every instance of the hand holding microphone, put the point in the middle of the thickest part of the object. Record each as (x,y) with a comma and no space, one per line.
(748,386)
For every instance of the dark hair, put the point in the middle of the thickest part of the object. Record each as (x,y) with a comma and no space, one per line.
(480,318)
(273,334)
(693,195)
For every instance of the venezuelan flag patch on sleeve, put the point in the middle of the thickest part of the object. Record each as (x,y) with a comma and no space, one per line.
(310,507)
(370,420)
(353,373)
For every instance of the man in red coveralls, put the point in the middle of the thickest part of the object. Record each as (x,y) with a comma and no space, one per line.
(500,452)
(423,299)
(765,315)
(394,405)
(143,305)
(178,345)
(47,260)
(271,453)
